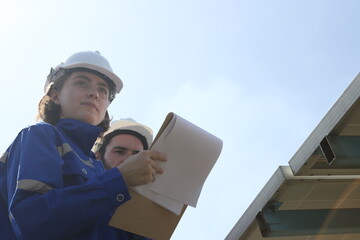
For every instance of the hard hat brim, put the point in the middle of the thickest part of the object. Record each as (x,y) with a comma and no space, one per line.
(117,81)
(133,126)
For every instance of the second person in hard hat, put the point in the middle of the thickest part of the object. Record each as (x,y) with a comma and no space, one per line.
(52,187)
(125,138)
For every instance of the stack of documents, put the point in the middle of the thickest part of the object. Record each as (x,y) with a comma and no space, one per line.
(192,153)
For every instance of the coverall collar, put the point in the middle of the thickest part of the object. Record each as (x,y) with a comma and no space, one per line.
(81,133)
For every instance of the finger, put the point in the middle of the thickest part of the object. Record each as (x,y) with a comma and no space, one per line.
(152,175)
(157,168)
(155,155)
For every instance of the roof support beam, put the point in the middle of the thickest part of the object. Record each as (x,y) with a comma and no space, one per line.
(341,151)
(276,223)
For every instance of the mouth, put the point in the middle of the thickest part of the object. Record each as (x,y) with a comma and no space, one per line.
(91,105)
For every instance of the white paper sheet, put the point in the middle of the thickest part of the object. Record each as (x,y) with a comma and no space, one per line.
(192,153)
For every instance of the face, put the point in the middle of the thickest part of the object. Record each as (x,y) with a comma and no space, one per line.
(84,96)
(120,148)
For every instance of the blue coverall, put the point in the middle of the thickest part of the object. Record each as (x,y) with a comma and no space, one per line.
(52,187)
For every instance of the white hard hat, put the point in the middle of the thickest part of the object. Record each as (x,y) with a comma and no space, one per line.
(90,60)
(128,125)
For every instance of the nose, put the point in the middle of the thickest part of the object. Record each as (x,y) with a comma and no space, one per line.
(93,92)
(128,154)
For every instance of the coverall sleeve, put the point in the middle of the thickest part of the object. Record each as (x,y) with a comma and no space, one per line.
(40,206)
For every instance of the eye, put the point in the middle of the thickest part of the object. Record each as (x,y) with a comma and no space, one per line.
(135,152)
(120,152)
(81,83)
(103,91)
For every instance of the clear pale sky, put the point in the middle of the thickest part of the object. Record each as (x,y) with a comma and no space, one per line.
(260,75)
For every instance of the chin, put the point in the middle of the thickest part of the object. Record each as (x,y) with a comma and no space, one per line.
(92,121)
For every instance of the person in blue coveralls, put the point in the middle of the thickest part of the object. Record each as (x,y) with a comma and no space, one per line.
(125,138)
(51,185)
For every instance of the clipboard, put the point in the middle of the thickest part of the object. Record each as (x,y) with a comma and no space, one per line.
(179,140)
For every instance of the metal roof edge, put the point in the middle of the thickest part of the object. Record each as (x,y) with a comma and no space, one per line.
(258,203)
(329,121)
(280,176)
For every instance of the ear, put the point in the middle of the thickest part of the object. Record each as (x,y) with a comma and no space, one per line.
(97,155)
(54,95)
